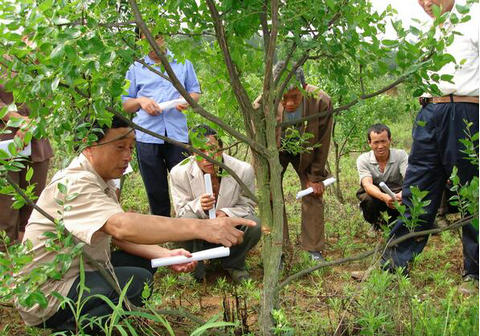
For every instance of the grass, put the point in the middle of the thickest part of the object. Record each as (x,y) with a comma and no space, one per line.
(328,301)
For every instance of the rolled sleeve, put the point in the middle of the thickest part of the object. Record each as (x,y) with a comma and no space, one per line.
(191,81)
(132,88)
(362,168)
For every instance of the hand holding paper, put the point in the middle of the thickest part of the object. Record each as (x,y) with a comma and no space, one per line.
(217,252)
(209,190)
(172,104)
(387,190)
(308,191)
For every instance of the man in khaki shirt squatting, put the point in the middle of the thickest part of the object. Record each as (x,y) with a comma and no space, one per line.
(95,218)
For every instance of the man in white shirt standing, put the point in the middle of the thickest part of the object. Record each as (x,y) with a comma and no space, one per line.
(436,149)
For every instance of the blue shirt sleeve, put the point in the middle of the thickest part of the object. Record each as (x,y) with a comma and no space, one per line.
(132,89)
(191,81)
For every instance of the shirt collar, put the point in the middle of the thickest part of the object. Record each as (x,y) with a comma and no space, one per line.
(373,159)
(170,57)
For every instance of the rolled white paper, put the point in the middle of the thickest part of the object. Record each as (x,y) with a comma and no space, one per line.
(328,181)
(387,190)
(27,151)
(304,192)
(209,190)
(217,252)
(308,191)
(172,104)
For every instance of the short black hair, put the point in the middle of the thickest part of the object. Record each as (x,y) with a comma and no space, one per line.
(206,131)
(99,130)
(139,33)
(378,128)
(85,128)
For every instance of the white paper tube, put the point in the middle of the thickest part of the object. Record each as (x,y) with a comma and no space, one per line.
(27,151)
(308,191)
(304,192)
(217,252)
(172,104)
(209,190)
(328,181)
(387,190)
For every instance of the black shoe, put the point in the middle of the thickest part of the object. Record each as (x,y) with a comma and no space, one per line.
(316,256)
(238,276)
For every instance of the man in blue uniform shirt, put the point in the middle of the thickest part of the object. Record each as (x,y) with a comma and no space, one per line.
(147,90)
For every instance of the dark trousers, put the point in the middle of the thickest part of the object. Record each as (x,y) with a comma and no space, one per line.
(373,207)
(155,161)
(126,267)
(436,149)
(14,220)
(238,253)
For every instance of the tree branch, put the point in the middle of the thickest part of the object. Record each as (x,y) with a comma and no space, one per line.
(303,59)
(237,87)
(366,254)
(152,69)
(346,139)
(362,86)
(267,101)
(176,83)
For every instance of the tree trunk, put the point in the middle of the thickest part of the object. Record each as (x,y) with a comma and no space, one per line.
(271,213)
(338,189)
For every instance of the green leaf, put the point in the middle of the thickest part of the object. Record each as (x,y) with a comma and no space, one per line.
(209,325)
(436,11)
(3,154)
(29,174)
(447,78)
(36,297)
(27,137)
(62,188)
(330,4)
(390,43)
(55,83)
(57,52)
(12,149)
(462,9)
(3,111)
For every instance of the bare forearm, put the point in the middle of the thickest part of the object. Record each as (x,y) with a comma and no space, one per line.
(147,229)
(131,105)
(195,96)
(375,192)
(141,250)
